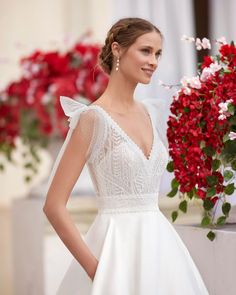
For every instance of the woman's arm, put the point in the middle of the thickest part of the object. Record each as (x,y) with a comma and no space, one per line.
(67,173)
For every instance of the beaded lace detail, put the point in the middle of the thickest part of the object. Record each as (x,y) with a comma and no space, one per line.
(124,178)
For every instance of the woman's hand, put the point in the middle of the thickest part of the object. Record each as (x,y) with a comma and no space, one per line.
(91,271)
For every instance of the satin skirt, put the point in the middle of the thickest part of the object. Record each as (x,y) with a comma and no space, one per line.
(139,253)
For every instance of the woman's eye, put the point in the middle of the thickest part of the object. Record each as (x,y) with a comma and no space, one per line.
(158,55)
(145,50)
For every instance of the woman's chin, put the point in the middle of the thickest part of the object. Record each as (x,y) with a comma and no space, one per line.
(145,81)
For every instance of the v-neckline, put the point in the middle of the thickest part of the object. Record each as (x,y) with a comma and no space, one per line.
(125,134)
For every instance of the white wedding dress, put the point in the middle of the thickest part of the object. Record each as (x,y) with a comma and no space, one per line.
(138,249)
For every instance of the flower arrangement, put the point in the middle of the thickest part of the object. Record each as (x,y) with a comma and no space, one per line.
(30,107)
(202,135)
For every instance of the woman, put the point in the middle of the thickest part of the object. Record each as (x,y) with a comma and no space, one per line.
(131,248)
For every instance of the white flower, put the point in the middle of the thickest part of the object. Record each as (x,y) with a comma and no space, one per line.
(35,68)
(208,71)
(194,82)
(46,98)
(215,67)
(224,110)
(223,106)
(198,44)
(186,38)
(222,117)
(184,81)
(187,91)
(232,135)
(206,43)
(160,82)
(221,40)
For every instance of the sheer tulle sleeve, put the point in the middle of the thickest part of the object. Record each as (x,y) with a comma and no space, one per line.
(159,111)
(89,129)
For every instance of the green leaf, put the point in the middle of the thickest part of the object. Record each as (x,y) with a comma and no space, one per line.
(211,192)
(1,167)
(202,144)
(28,178)
(170,166)
(226,71)
(231,108)
(229,189)
(183,206)
(174,215)
(209,151)
(228,175)
(202,125)
(186,110)
(221,220)
(212,180)
(226,137)
(208,204)
(216,164)
(205,221)
(233,165)
(211,235)
(226,208)
(232,120)
(190,194)
(28,165)
(174,183)
(172,193)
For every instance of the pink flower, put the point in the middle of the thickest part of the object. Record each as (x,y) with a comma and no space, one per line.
(206,43)
(198,44)
(209,71)
(193,82)
(221,40)
(232,135)
(188,39)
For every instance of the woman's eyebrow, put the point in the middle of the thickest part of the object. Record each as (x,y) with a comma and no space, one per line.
(150,47)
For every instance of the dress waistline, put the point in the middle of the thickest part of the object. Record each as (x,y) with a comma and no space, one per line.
(127,203)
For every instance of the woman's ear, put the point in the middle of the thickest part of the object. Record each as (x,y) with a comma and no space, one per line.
(116,49)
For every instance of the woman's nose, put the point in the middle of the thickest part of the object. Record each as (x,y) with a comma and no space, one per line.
(153,60)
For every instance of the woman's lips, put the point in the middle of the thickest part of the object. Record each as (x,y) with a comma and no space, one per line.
(149,72)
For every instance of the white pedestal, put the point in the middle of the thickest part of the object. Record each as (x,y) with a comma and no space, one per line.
(215,260)
(27,245)
(6,267)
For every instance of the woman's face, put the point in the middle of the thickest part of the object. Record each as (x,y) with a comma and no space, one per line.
(140,60)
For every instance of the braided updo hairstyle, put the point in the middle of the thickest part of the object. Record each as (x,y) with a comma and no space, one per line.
(125,32)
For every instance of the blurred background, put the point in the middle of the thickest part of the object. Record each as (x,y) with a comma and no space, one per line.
(32,258)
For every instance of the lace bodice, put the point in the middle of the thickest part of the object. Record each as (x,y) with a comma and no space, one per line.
(122,175)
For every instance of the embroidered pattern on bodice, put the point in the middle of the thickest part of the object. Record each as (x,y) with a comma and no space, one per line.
(122,175)
(124,178)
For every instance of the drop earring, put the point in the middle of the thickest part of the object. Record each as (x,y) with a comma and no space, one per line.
(117,63)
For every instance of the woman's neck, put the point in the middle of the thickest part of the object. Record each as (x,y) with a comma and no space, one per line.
(119,93)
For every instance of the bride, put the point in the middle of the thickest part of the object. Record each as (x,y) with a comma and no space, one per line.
(131,248)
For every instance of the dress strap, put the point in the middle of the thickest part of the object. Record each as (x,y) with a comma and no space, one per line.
(72,109)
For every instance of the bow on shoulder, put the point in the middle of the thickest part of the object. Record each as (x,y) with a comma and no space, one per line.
(72,109)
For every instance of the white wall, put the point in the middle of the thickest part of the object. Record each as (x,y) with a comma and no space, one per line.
(29,24)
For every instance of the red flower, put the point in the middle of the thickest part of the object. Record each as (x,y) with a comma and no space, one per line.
(207,60)
(195,131)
